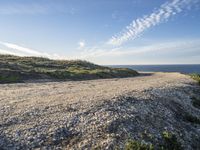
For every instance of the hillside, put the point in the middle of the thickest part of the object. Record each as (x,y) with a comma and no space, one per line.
(19,69)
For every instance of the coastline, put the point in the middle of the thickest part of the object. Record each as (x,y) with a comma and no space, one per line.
(182,68)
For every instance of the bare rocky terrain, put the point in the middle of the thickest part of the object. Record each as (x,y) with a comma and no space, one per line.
(100,114)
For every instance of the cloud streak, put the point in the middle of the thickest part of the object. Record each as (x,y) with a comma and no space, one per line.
(20,48)
(14,49)
(94,53)
(158,16)
(175,46)
(3,51)
(23,49)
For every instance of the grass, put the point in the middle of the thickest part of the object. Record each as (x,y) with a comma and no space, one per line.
(196,77)
(9,79)
(14,69)
(168,142)
(196,101)
(136,145)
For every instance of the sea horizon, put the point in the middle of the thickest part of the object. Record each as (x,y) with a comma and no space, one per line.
(182,68)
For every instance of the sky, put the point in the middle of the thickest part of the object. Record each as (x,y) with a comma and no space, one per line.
(106,32)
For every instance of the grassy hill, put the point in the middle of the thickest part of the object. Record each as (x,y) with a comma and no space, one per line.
(19,69)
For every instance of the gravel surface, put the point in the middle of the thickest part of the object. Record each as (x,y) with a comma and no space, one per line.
(100,114)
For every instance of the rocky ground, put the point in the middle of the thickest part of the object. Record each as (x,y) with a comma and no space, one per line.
(100,114)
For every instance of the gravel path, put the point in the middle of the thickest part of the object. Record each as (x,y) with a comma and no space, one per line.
(98,113)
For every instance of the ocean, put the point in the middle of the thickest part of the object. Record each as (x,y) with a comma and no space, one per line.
(186,69)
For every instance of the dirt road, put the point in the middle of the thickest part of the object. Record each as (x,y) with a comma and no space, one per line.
(98,113)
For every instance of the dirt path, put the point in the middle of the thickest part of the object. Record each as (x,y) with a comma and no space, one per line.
(96,113)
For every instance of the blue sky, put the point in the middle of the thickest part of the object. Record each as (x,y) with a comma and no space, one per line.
(103,31)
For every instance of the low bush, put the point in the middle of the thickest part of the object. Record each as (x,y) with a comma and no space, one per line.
(136,145)
(196,102)
(196,77)
(170,142)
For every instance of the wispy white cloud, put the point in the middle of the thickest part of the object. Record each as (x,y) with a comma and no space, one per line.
(81,44)
(180,46)
(23,49)
(18,50)
(3,51)
(15,49)
(158,16)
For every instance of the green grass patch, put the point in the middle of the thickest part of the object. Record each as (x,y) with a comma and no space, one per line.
(42,68)
(59,74)
(9,79)
(170,142)
(137,145)
(196,77)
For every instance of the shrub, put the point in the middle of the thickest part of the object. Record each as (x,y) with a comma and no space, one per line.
(196,77)
(170,142)
(196,102)
(136,145)
(192,119)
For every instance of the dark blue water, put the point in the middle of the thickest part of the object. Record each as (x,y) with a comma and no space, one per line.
(164,68)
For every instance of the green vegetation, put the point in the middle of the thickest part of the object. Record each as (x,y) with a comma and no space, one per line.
(9,79)
(136,145)
(16,69)
(196,102)
(196,77)
(168,142)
